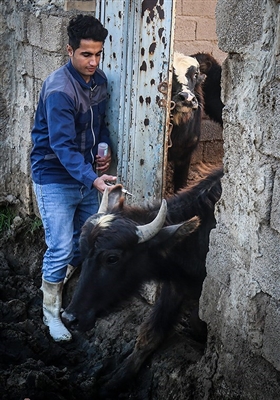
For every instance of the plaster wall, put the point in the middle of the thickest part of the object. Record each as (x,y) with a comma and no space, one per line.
(241,296)
(33,46)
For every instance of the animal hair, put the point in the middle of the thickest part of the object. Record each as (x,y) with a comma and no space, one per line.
(181,64)
(213,105)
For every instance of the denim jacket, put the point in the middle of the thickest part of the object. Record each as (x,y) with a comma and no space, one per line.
(69,124)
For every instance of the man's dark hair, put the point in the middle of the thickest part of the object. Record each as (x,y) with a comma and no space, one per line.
(85,27)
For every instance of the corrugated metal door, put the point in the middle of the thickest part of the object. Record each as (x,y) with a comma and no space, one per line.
(137,59)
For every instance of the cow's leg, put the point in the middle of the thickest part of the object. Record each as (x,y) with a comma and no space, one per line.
(152,332)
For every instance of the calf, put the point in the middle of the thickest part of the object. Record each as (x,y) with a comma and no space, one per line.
(186,115)
(126,246)
(213,105)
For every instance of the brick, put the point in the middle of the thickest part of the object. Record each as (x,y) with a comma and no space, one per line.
(197,154)
(179,7)
(194,46)
(199,8)
(81,5)
(45,32)
(213,152)
(206,29)
(45,63)
(52,33)
(185,29)
(211,130)
(219,55)
(33,30)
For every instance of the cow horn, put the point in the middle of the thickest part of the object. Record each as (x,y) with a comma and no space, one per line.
(146,232)
(104,202)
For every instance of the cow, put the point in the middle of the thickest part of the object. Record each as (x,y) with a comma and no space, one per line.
(186,115)
(125,246)
(213,105)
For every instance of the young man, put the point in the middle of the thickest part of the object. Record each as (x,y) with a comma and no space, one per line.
(69,124)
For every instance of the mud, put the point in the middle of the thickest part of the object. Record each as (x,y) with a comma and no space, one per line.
(34,367)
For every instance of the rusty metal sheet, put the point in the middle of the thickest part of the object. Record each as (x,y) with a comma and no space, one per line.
(137,59)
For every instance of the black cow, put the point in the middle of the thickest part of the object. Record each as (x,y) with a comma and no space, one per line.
(126,246)
(186,115)
(213,105)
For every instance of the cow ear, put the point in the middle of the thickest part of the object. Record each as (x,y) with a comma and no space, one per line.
(175,233)
(110,199)
(115,199)
(205,66)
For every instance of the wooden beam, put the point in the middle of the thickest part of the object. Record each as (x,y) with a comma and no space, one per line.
(81,5)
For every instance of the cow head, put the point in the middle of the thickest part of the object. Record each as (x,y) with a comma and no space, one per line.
(186,79)
(118,254)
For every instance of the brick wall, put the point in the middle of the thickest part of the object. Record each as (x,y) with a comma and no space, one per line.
(195,28)
(195,31)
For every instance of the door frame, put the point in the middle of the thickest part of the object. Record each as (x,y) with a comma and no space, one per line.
(137,58)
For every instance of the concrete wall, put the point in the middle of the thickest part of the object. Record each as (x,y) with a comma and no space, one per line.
(33,45)
(241,296)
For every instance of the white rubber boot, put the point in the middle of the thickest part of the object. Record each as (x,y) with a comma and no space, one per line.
(52,299)
(70,271)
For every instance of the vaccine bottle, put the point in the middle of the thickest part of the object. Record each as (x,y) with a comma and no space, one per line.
(102,150)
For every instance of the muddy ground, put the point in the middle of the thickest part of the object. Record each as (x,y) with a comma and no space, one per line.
(34,367)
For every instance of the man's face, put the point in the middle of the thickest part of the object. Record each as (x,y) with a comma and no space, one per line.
(86,58)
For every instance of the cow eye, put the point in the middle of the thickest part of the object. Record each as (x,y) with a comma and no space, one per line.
(112,259)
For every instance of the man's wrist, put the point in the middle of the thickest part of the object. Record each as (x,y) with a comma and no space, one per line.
(93,183)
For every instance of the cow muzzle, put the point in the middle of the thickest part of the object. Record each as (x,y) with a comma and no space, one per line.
(188,99)
(69,320)
(78,324)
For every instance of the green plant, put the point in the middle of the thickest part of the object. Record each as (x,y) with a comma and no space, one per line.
(7,214)
(36,224)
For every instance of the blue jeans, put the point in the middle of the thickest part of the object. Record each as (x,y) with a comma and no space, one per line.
(64,208)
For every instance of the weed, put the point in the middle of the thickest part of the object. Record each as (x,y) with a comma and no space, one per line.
(7,214)
(35,224)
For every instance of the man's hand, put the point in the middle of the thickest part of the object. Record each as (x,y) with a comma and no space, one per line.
(100,184)
(103,163)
